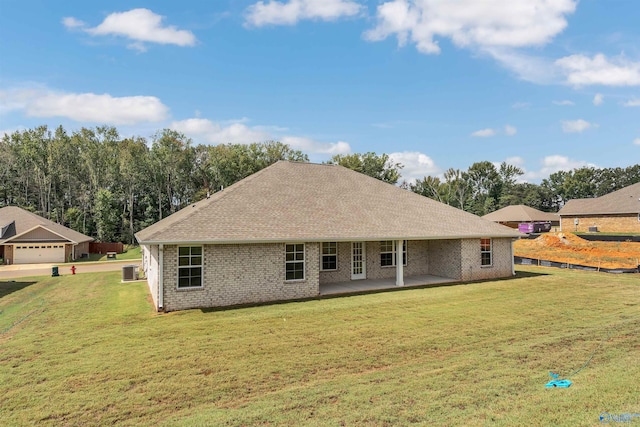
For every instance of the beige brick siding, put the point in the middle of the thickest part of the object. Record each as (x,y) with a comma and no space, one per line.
(502,260)
(417,262)
(610,223)
(444,257)
(240,274)
(246,274)
(343,273)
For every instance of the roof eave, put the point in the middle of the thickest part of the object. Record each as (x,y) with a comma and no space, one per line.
(328,239)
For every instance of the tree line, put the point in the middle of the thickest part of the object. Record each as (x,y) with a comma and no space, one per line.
(485,187)
(109,187)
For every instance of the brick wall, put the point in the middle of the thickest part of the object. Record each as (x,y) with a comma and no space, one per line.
(245,274)
(445,258)
(240,274)
(417,262)
(343,273)
(471,268)
(610,223)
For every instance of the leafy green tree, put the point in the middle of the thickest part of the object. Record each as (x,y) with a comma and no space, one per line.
(485,183)
(430,187)
(171,164)
(377,166)
(106,216)
(458,188)
(133,155)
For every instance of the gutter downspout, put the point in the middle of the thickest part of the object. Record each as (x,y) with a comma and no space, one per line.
(513,264)
(160,276)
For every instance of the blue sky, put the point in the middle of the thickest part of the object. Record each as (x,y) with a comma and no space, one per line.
(542,84)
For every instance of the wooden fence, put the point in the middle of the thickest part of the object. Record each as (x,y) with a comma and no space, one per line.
(103,248)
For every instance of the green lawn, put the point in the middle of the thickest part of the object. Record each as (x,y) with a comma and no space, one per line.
(89,350)
(130,252)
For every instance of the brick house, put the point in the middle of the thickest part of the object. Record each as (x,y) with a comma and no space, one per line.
(616,212)
(513,215)
(292,228)
(27,238)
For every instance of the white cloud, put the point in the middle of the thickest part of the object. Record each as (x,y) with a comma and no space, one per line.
(237,132)
(471,23)
(216,133)
(564,103)
(520,105)
(515,161)
(71,23)
(555,163)
(580,70)
(598,99)
(632,103)
(310,146)
(84,107)
(484,133)
(636,141)
(416,165)
(138,25)
(530,68)
(576,126)
(291,12)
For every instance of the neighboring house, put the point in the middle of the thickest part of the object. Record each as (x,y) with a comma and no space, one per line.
(514,215)
(286,231)
(617,212)
(27,238)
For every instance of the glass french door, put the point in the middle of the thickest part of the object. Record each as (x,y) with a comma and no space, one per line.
(358,261)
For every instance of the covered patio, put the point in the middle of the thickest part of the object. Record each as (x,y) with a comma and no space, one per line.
(356,286)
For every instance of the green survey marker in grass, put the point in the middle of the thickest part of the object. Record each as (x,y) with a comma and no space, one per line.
(89,350)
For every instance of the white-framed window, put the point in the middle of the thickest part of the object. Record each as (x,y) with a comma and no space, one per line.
(294,261)
(486,252)
(329,257)
(189,267)
(388,253)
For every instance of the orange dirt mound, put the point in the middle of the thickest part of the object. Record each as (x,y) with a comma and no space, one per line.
(569,248)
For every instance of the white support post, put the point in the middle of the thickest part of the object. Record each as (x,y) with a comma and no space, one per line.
(399,264)
(160,276)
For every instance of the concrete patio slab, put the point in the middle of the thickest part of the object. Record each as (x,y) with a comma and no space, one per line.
(355,286)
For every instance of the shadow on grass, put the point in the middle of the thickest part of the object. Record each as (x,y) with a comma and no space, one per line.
(519,275)
(10,286)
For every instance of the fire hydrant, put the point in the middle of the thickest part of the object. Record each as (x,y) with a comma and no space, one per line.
(73,269)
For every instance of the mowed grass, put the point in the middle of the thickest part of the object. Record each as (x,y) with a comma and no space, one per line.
(130,253)
(89,350)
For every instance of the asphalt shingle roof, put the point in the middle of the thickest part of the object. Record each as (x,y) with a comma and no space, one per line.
(624,201)
(291,201)
(520,213)
(24,221)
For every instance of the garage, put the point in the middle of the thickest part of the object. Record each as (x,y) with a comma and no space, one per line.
(38,253)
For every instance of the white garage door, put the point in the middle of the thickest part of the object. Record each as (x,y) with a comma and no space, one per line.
(37,253)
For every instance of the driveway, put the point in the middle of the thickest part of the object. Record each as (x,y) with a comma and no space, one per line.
(27,270)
